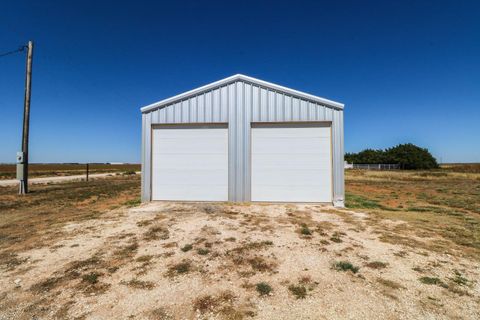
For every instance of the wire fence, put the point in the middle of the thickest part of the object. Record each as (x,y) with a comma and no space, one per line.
(376,166)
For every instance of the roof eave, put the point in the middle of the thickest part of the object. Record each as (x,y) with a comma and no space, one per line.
(234,78)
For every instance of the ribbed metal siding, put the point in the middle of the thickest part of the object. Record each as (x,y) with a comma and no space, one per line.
(239,104)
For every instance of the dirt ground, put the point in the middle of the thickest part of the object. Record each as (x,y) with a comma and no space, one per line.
(377,259)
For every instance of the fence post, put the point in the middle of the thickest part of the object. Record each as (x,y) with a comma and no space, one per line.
(87,172)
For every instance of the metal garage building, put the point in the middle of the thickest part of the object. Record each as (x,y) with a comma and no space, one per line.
(243,139)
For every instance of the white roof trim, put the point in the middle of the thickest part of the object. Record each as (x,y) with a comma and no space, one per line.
(234,78)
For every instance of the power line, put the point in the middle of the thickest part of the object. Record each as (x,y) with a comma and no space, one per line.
(22,48)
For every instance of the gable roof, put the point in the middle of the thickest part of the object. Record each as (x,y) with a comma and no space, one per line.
(241,77)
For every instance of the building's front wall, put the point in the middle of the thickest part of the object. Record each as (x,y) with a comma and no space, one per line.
(239,104)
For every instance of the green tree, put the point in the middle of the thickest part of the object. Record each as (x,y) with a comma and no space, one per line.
(366,156)
(410,156)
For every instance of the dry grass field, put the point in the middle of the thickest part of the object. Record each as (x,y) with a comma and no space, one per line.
(8,171)
(406,247)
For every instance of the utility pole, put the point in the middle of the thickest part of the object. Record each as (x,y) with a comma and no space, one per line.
(22,158)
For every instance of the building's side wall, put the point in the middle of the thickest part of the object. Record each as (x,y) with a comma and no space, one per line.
(241,103)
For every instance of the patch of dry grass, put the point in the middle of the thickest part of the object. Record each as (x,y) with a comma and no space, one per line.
(376,265)
(441,209)
(299,291)
(221,303)
(179,268)
(157,232)
(35,220)
(390,283)
(140,284)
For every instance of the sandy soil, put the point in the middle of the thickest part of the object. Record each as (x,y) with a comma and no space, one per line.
(135,264)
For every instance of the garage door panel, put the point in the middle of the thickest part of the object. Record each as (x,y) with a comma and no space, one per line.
(186,147)
(275,193)
(191,177)
(268,145)
(175,161)
(307,177)
(291,164)
(267,162)
(291,132)
(190,164)
(297,146)
(193,193)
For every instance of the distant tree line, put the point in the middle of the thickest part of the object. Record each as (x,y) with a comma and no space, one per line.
(408,156)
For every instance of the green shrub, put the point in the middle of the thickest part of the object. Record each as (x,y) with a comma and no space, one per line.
(300,292)
(187,247)
(433,280)
(376,265)
(203,251)
(263,288)
(305,230)
(345,266)
(91,278)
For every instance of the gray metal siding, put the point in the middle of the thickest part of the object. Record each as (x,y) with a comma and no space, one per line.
(239,104)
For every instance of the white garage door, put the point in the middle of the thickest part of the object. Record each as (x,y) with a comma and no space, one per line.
(190,163)
(291,163)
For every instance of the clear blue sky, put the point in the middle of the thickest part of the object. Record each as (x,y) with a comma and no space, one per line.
(407,71)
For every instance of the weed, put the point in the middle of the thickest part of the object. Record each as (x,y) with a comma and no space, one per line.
(11,260)
(250,246)
(205,304)
(376,265)
(418,269)
(305,280)
(209,209)
(180,268)
(389,283)
(46,285)
(228,312)
(336,237)
(305,230)
(156,233)
(433,281)
(160,314)
(358,202)
(203,251)
(170,245)
(260,264)
(132,203)
(345,266)
(91,278)
(187,247)
(145,223)
(300,292)
(127,251)
(263,288)
(144,259)
(459,279)
(139,284)
(401,254)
